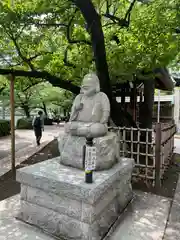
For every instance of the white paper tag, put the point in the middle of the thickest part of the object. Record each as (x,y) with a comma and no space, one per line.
(90,159)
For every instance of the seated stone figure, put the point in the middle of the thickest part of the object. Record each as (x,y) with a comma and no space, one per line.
(90,111)
(89,118)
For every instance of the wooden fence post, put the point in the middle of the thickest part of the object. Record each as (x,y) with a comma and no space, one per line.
(13,166)
(158,157)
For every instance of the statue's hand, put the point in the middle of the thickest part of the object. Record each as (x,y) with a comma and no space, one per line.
(79,107)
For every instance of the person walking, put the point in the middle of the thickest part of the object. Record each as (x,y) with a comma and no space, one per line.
(38,126)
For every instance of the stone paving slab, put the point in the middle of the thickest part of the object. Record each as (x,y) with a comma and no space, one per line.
(173,227)
(25,146)
(144,219)
(12,229)
(22,155)
(177,145)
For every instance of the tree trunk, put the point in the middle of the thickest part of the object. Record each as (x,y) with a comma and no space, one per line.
(45,109)
(26,110)
(3,110)
(146,108)
(146,118)
(121,117)
(94,28)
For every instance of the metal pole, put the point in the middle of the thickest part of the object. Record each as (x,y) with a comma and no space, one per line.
(13,166)
(158,113)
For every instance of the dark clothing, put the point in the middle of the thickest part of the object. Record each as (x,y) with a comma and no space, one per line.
(38,134)
(38,126)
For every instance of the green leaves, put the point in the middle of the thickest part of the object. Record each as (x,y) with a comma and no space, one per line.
(148,43)
(52,36)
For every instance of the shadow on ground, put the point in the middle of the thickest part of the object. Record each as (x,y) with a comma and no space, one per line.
(8,184)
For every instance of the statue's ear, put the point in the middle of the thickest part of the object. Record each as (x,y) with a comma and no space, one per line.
(97,88)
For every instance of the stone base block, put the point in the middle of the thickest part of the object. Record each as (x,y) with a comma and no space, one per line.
(71,149)
(56,199)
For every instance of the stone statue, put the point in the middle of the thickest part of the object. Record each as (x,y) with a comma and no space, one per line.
(90,110)
(89,118)
(58,201)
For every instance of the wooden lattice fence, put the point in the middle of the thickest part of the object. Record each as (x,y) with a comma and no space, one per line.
(152,150)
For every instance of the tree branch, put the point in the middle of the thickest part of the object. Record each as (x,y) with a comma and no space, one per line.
(123,22)
(68,34)
(66,62)
(40,24)
(128,13)
(4,59)
(20,53)
(54,80)
(107,6)
(31,85)
(38,55)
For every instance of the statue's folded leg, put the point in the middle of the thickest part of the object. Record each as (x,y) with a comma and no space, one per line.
(91,130)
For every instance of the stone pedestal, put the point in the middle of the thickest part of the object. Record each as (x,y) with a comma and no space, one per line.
(56,199)
(71,149)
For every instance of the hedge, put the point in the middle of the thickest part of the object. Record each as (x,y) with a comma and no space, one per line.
(4,128)
(48,121)
(24,123)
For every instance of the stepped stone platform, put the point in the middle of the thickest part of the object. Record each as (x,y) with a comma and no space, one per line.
(144,219)
(56,199)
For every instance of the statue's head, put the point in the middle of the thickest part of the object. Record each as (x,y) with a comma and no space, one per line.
(90,84)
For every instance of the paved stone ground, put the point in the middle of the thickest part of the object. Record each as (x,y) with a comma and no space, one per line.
(8,185)
(145,219)
(12,229)
(173,226)
(177,144)
(25,145)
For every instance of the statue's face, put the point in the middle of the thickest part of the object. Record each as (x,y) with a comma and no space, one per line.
(88,87)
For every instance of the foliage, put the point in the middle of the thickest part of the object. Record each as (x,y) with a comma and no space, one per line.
(24,123)
(36,34)
(147,44)
(53,97)
(48,121)
(29,95)
(4,128)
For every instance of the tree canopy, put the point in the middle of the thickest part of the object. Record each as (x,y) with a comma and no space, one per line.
(60,41)
(52,37)
(40,96)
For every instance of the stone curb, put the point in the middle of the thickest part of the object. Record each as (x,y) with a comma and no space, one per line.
(172,231)
(117,222)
